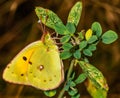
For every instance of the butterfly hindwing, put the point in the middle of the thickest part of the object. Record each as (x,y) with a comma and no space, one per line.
(47,72)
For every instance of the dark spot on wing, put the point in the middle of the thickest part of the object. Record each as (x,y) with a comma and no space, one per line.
(24,58)
(40,67)
(30,62)
(54,75)
(44,80)
(50,79)
(30,72)
(22,74)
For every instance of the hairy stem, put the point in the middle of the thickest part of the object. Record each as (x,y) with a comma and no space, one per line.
(68,76)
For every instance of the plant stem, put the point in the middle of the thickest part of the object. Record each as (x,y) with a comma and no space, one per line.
(70,69)
(68,76)
(19,91)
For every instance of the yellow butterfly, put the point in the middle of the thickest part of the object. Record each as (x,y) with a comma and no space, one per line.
(37,65)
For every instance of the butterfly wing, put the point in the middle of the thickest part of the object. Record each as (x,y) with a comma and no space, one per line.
(37,65)
(47,70)
(17,70)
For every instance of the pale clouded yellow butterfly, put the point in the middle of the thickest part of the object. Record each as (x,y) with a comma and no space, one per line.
(37,65)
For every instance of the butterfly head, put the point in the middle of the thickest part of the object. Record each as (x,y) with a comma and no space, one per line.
(47,40)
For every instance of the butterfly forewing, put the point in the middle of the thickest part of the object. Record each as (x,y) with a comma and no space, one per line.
(16,71)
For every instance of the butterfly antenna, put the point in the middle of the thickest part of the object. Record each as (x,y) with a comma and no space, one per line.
(45,24)
(41,25)
(43,28)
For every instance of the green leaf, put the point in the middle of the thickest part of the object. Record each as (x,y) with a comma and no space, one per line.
(94,75)
(95,92)
(96,28)
(88,34)
(82,44)
(71,27)
(77,54)
(86,59)
(66,88)
(61,29)
(69,84)
(73,76)
(65,55)
(50,93)
(72,84)
(109,37)
(87,52)
(92,39)
(81,36)
(65,39)
(81,78)
(48,17)
(67,46)
(76,96)
(72,92)
(75,13)
(92,47)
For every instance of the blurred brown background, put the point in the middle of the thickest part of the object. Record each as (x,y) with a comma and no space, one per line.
(18,27)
